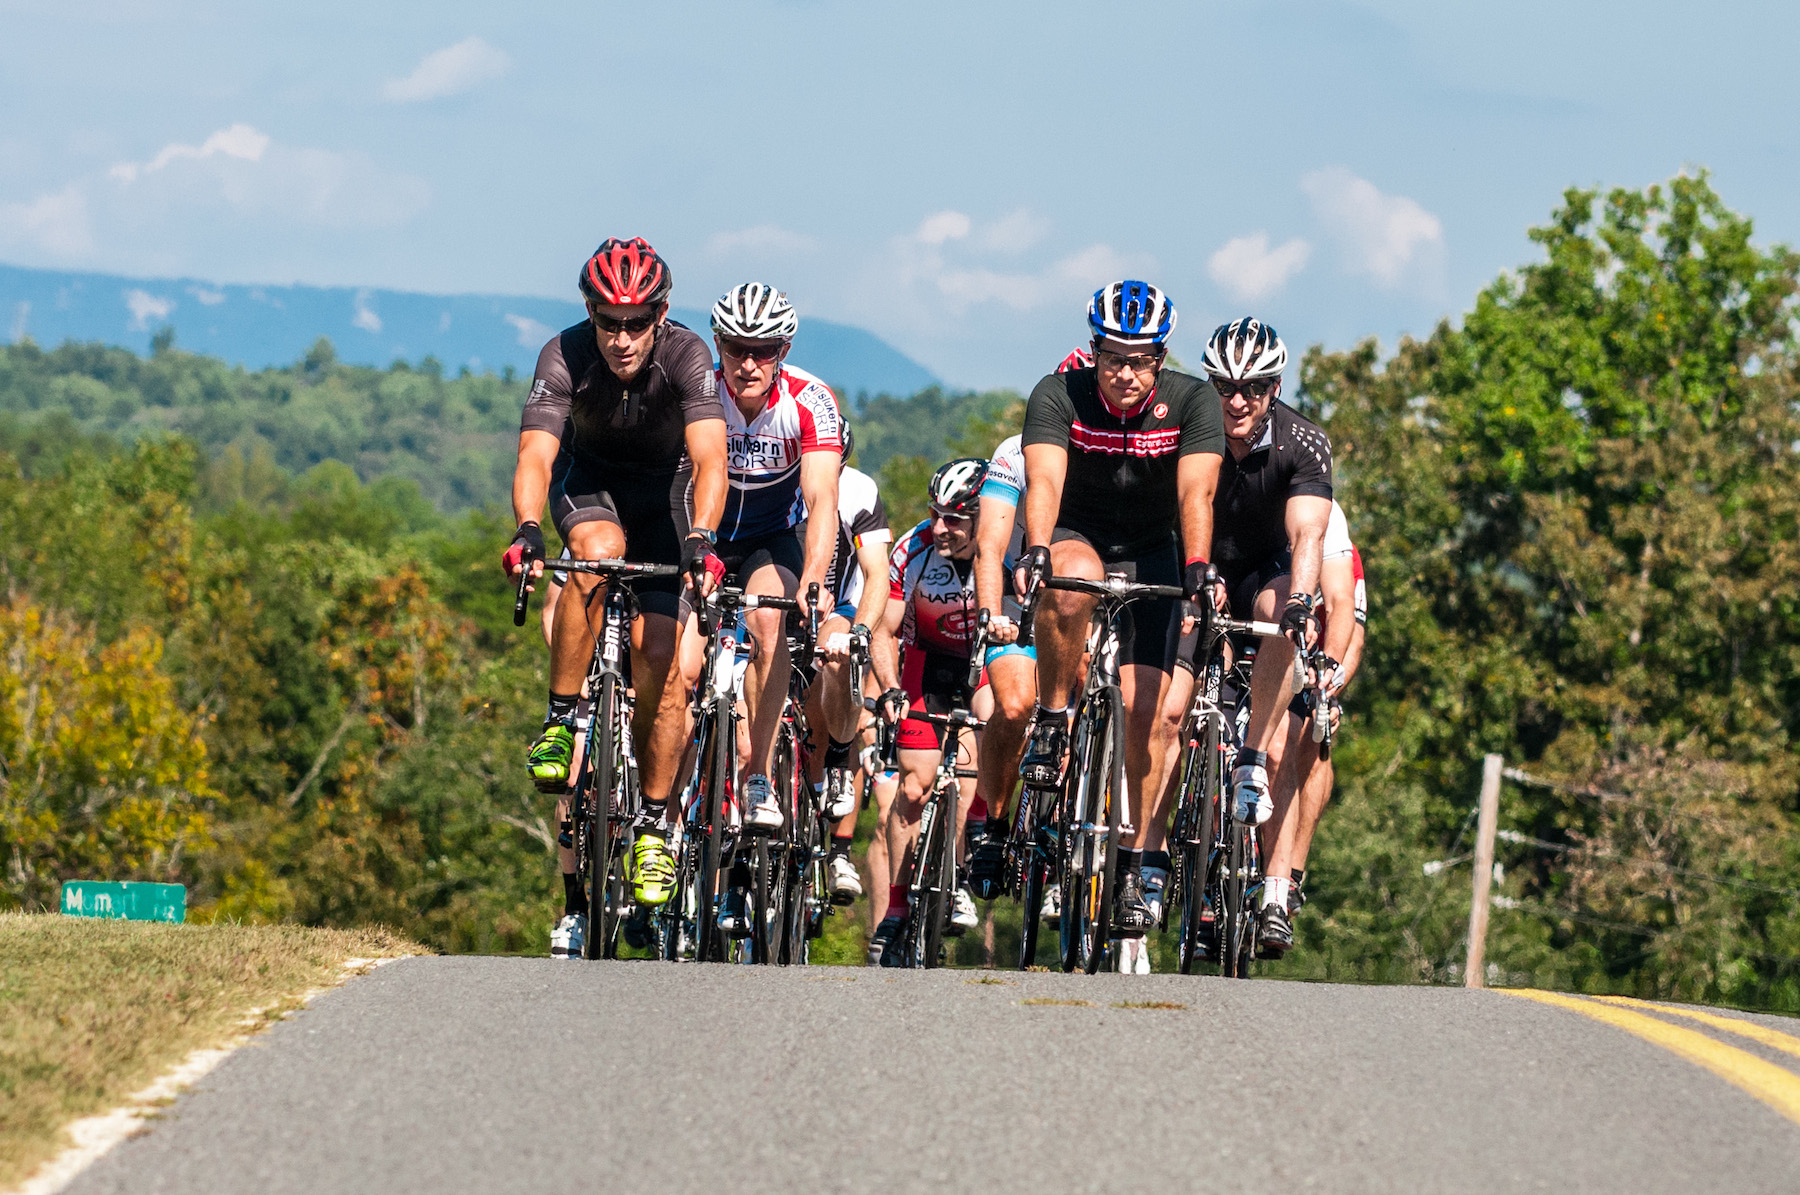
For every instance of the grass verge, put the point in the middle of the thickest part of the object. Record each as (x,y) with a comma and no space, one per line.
(91,1011)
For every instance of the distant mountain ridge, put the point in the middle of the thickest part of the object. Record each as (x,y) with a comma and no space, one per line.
(260,326)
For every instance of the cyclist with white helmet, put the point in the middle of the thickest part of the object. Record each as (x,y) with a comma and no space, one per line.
(930,621)
(1121,463)
(784,438)
(1271,510)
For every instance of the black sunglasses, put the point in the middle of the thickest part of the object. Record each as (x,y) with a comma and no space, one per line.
(632,325)
(762,354)
(1256,389)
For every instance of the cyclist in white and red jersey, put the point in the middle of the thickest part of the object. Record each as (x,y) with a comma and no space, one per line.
(1344,616)
(784,438)
(931,617)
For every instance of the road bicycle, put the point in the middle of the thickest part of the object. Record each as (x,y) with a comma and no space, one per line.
(931,887)
(1091,819)
(605,800)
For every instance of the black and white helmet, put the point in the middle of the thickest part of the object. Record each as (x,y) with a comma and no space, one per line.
(1245,349)
(956,485)
(755,311)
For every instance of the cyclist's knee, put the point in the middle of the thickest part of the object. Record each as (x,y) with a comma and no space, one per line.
(768,628)
(1270,599)
(1072,558)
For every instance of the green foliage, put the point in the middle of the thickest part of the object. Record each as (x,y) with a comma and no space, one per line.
(1578,513)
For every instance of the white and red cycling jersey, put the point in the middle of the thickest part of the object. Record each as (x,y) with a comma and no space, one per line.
(1338,543)
(800,415)
(939,594)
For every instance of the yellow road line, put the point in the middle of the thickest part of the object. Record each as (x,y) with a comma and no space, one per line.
(1778,1088)
(1775,1039)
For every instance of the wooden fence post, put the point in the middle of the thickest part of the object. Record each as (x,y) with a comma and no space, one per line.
(1475,969)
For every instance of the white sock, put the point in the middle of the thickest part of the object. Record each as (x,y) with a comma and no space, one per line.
(1275,891)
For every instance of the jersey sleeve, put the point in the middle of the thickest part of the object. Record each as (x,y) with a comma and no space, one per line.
(860,510)
(1049,413)
(690,370)
(1202,421)
(552,392)
(1005,480)
(902,574)
(1337,534)
(1311,449)
(821,423)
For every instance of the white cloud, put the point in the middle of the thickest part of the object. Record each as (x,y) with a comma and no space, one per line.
(239,141)
(1014,232)
(208,298)
(146,307)
(365,318)
(764,240)
(449,71)
(56,224)
(1248,269)
(943,226)
(1387,237)
(531,333)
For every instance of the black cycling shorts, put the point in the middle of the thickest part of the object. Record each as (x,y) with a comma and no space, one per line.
(1149,630)
(779,548)
(1241,587)
(652,512)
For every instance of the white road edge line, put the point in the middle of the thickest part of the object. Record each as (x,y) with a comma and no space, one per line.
(93,1135)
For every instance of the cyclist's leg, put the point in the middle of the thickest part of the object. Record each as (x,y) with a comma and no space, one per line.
(1060,631)
(769,570)
(1012,682)
(884,787)
(591,533)
(1314,791)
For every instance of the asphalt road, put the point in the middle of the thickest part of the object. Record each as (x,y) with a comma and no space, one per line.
(447,1075)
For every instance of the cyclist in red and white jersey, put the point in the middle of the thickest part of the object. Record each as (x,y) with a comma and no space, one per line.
(784,438)
(930,623)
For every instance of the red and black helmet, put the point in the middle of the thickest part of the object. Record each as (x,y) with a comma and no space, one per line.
(625,273)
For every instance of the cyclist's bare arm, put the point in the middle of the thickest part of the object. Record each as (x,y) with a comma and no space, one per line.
(1196,481)
(885,652)
(1046,467)
(871,607)
(1307,516)
(706,449)
(531,479)
(1337,581)
(992,535)
(819,489)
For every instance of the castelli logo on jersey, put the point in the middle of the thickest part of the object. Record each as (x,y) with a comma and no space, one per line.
(1161,409)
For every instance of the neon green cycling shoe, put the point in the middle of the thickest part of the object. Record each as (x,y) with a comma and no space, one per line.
(652,869)
(551,757)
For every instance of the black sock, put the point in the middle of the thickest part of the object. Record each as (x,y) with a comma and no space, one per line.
(574,899)
(1157,859)
(1249,757)
(837,754)
(840,846)
(1130,860)
(562,709)
(655,813)
(1299,874)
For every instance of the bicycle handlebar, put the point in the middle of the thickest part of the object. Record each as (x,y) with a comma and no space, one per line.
(1115,587)
(625,569)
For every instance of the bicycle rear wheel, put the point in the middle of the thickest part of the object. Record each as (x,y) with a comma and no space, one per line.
(1097,905)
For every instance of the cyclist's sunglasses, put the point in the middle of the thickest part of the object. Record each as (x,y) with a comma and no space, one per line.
(762,354)
(951,518)
(1256,390)
(635,325)
(1140,364)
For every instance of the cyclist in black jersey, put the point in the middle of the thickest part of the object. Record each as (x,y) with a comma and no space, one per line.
(1122,459)
(1271,510)
(623,435)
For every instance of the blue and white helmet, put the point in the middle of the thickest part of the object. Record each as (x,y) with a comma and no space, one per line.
(1132,312)
(1244,350)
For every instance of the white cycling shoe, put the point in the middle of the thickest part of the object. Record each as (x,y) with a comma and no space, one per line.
(1134,956)
(841,877)
(963,917)
(1052,910)
(840,794)
(569,937)
(1156,886)
(762,812)
(1250,784)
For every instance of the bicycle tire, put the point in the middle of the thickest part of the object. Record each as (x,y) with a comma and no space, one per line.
(1199,832)
(766,887)
(1098,907)
(802,895)
(709,945)
(924,909)
(1031,846)
(1070,841)
(601,773)
(1235,924)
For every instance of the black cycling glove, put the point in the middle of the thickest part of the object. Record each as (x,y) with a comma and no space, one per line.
(1194,580)
(698,560)
(527,545)
(1036,560)
(1295,618)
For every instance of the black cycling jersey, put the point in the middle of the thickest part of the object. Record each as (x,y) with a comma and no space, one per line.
(1292,457)
(1120,493)
(633,430)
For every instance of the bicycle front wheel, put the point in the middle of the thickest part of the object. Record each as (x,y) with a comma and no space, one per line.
(1235,919)
(1106,807)
(602,775)
(1198,833)
(1030,846)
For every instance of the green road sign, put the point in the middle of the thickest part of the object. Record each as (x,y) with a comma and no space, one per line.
(131,901)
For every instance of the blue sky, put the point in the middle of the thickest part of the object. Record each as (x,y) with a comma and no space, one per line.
(955,177)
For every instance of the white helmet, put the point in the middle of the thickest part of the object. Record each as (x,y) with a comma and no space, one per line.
(755,311)
(1243,350)
(955,486)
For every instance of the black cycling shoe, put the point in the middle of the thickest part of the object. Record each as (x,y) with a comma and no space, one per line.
(1042,765)
(1274,932)
(881,942)
(987,868)
(1296,900)
(636,929)
(1131,912)
(1206,939)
